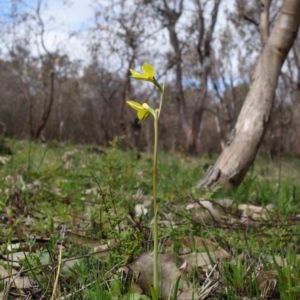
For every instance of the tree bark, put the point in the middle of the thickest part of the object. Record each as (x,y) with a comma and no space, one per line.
(47,112)
(264,21)
(240,151)
(171,17)
(204,50)
(178,83)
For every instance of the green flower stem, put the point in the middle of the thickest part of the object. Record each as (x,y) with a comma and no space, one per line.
(156,116)
(158,86)
(155,226)
(162,90)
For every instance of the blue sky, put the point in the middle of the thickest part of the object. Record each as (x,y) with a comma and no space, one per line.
(4,8)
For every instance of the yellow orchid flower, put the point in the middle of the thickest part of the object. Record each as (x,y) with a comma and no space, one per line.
(143,111)
(147,75)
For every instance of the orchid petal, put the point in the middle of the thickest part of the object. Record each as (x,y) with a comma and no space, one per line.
(142,110)
(135,105)
(143,114)
(148,70)
(146,106)
(135,73)
(147,75)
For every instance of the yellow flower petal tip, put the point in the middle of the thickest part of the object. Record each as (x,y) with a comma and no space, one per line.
(135,105)
(146,106)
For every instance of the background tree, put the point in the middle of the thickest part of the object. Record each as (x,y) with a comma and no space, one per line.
(128,27)
(218,45)
(169,13)
(36,73)
(239,153)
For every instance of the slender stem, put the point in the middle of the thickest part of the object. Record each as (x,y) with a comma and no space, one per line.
(155,164)
(156,115)
(158,86)
(155,226)
(161,97)
(57,275)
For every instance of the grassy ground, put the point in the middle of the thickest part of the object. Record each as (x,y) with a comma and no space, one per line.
(91,209)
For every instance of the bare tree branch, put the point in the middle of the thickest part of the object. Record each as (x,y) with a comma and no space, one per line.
(264,20)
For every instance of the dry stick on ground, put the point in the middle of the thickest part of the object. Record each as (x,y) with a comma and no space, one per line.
(240,151)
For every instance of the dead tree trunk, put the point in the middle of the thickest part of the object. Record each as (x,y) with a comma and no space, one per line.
(240,151)
(204,52)
(170,19)
(47,112)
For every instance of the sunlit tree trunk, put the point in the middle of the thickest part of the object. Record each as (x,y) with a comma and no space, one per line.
(240,151)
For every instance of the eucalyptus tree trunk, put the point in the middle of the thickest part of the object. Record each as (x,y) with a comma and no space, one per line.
(240,151)
(171,17)
(205,36)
